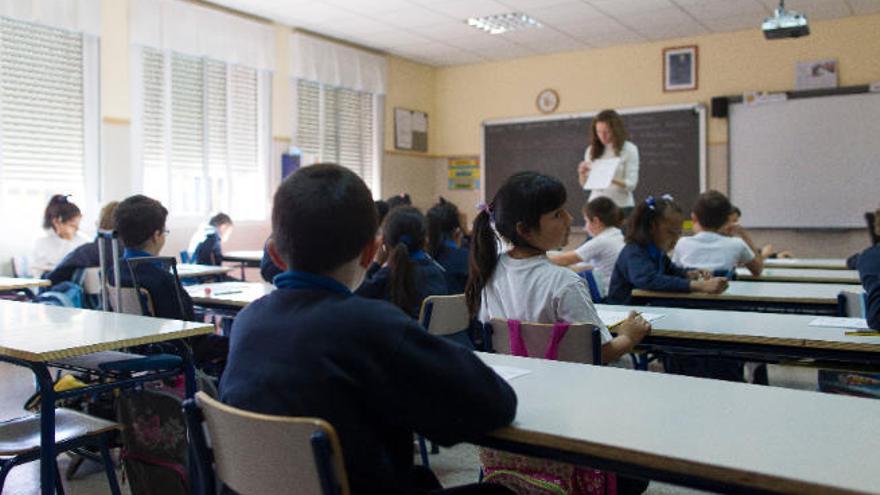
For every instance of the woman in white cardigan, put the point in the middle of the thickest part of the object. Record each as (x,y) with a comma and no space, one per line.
(608,139)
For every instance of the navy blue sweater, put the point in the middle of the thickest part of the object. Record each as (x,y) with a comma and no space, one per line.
(454,260)
(430,281)
(85,256)
(209,252)
(368,369)
(869,274)
(645,268)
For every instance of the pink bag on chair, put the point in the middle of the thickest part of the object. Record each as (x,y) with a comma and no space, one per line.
(533,476)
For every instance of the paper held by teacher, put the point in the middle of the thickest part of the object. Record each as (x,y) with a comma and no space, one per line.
(601,173)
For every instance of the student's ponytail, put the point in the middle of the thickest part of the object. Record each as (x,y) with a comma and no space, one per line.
(483,260)
(442,221)
(646,215)
(59,207)
(402,284)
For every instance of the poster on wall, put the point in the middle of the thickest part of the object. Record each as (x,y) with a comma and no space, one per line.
(464,174)
(818,74)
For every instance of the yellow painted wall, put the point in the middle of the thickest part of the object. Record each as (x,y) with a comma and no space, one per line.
(410,86)
(630,76)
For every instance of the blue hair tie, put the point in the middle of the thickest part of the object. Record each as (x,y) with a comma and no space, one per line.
(652,204)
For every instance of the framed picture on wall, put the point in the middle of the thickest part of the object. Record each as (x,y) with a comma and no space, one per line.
(680,68)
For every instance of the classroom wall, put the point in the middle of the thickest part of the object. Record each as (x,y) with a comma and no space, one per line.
(630,76)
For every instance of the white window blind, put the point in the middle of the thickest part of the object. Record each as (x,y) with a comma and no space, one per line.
(336,125)
(200,135)
(43,125)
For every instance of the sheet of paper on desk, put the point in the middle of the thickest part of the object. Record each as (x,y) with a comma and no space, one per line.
(601,173)
(509,372)
(610,318)
(834,322)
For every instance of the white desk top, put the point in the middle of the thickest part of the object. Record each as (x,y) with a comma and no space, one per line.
(799,293)
(243,255)
(821,263)
(38,332)
(806,275)
(789,330)
(13,283)
(187,270)
(761,437)
(238,294)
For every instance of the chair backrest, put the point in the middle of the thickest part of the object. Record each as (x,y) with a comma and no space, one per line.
(91,281)
(870,218)
(129,303)
(166,263)
(851,304)
(185,257)
(444,315)
(578,343)
(260,453)
(592,284)
(20,266)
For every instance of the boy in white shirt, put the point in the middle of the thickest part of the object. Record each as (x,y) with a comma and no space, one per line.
(717,246)
(602,218)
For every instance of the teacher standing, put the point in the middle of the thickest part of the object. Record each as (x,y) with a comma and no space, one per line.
(608,139)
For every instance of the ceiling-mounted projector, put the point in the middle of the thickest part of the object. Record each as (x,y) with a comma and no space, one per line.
(785,24)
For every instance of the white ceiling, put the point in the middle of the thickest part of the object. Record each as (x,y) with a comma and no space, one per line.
(434,31)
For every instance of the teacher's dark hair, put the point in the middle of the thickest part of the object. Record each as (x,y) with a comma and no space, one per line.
(614,121)
(522,199)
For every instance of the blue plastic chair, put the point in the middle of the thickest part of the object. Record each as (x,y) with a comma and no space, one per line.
(185,257)
(595,294)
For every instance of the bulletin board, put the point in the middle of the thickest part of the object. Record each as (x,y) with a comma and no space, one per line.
(410,130)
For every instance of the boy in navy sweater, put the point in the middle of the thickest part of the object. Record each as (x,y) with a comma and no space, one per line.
(140,223)
(869,273)
(312,348)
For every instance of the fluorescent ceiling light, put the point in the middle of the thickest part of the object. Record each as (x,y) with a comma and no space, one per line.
(502,23)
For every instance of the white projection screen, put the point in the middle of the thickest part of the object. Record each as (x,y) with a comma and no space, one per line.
(807,162)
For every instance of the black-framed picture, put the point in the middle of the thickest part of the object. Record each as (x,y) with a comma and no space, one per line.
(680,68)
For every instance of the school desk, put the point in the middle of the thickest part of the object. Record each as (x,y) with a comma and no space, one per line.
(11,284)
(752,335)
(228,295)
(819,263)
(187,270)
(708,434)
(37,336)
(245,259)
(804,275)
(772,297)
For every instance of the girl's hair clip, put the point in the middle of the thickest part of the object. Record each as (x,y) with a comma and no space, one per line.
(652,204)
(488,208)
(667,197)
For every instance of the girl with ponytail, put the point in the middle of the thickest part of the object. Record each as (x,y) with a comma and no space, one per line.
(61,222)
(445,244)
(403,273)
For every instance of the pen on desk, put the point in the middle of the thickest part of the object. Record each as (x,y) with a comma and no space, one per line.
(621,321)
(227,292)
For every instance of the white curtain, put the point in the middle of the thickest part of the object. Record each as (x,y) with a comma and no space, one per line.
(73,15)
(192,29)
(322,61)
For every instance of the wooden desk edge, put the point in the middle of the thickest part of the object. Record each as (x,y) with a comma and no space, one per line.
(25,285)
(729,297)
(667,464)
(210,301)
(119,344)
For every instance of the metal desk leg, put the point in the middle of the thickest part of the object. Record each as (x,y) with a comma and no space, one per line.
(47,429)
(189,382)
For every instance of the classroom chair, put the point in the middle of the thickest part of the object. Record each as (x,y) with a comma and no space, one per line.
(185,257)
(255,453)
(851,304)
(574,343)
(20,442)
(593,285)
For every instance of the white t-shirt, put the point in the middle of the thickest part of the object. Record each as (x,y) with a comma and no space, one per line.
(711,251)
(50,249)
(627,172)
(601,253)
(535,290)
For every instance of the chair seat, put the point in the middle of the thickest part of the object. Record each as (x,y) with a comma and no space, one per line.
(110,361)
(22,435)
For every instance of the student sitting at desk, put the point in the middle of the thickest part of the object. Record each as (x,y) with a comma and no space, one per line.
(718,246)
(61,223)
(313,348)
(869,274)
(522,284)
(85,256)
(444,244)
(140,223)
(602,218)
(206,245)
(402,272)
(653,230)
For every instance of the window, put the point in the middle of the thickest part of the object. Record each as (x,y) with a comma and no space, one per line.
(46,132)
(337,125)
(200,136)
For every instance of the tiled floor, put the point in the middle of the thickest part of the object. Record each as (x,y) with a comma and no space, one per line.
(453,466)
